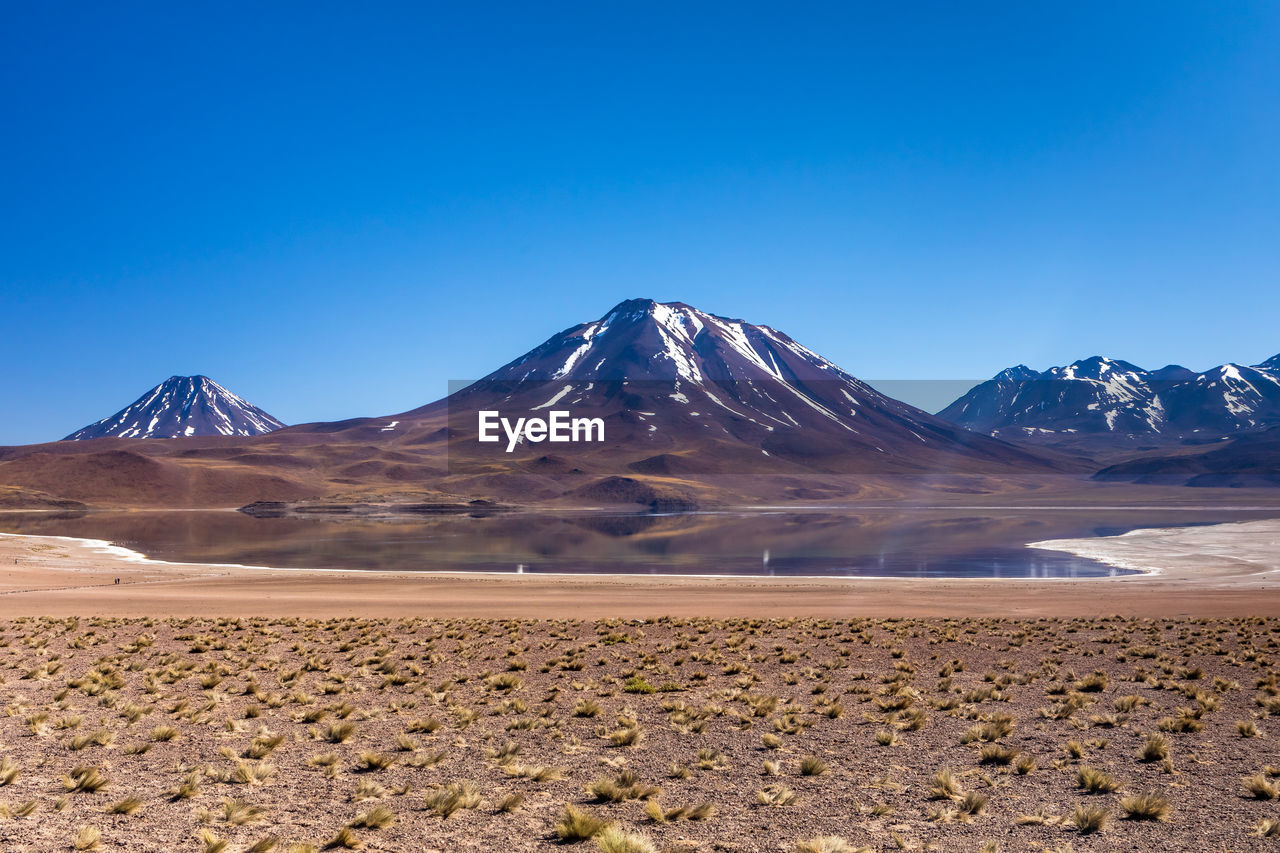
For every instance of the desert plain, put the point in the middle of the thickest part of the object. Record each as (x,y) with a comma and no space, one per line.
(220,708)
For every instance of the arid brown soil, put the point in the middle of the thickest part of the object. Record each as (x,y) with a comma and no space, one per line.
(691,734)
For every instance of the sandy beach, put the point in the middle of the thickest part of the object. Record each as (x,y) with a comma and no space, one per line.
(1219,570)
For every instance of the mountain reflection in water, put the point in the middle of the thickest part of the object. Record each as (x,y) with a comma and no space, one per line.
(890,541)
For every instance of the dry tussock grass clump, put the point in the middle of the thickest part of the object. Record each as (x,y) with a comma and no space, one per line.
(611,839)
(626,735)
(577,824)
(1262,788)
(452,797)
(1145,807)
(1095,781)
(1089,819)
(698,811)
(626,786)
(828,844)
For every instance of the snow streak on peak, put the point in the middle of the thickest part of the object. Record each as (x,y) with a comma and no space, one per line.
(640,339)
(680,341)
(694,367)
(183,406)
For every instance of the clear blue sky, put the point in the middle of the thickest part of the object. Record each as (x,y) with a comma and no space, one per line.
(335,208)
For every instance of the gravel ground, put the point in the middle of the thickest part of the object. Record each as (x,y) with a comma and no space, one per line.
(281,734)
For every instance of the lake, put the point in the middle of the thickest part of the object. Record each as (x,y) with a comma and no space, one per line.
(897,541)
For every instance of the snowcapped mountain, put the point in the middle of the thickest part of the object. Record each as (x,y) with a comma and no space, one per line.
(668,378)
(1225,399)
(182,406)
(1272,363)
(1101,397)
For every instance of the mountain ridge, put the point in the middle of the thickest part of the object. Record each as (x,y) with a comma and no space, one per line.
(1100,398)
(691,401)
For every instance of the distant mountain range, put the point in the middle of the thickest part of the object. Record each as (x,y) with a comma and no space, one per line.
(183,407)
(697,409)
(1101,399)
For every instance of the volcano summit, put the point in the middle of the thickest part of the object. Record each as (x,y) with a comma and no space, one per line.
(181,407)
(683,390)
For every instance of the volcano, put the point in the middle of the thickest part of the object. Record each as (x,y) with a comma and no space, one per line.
(682,391)
(182,407)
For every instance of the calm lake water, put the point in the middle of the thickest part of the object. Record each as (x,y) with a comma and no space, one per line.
(890,541)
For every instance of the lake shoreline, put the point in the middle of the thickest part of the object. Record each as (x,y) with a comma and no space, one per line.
(59,576)
(1252,545)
